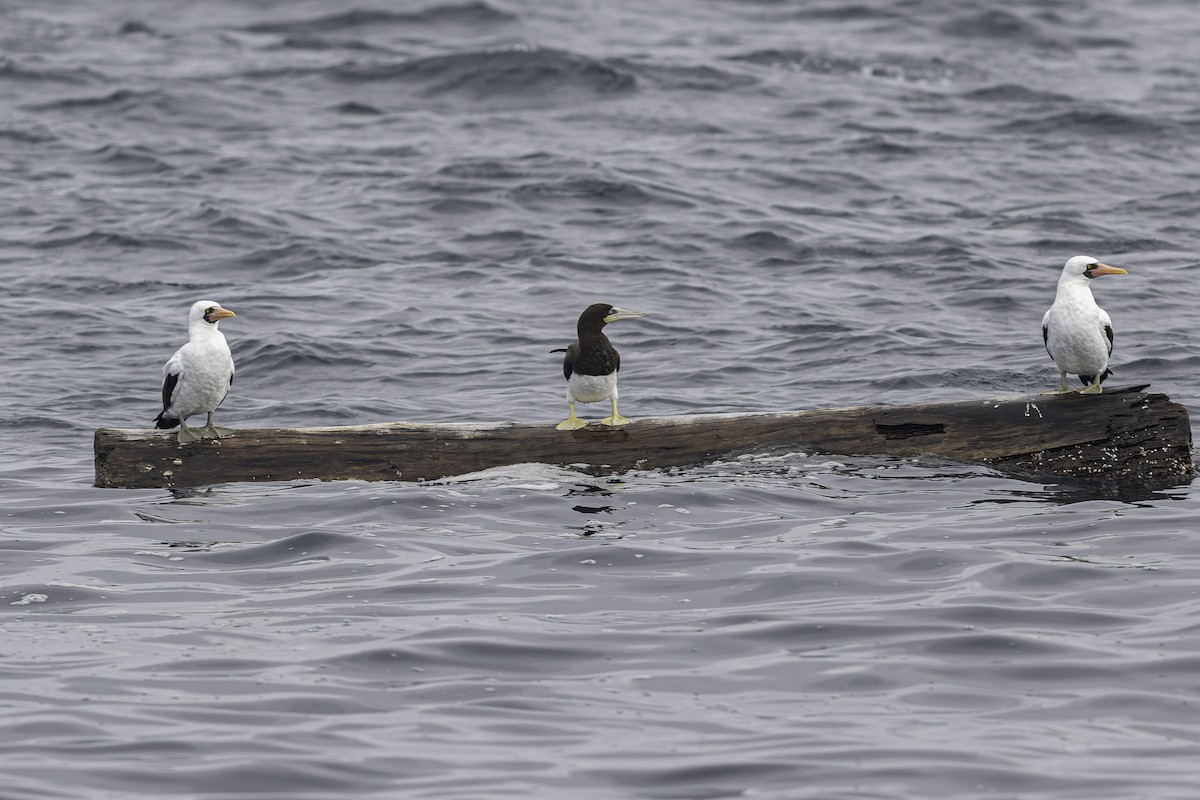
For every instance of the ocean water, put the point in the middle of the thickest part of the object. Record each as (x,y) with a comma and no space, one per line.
(408,204)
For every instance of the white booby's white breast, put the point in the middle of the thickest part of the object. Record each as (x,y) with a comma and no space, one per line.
(1075,331)
(204,370)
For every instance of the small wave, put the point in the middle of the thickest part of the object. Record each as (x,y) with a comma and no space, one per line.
(1094,122)
(526,76)
(296,351)
(847,13)
(770,242)
(879,145)
(1014,93)
(1065,222)
(820,181)
(491,169)
(37,422)
(360,109)
(26,133)
(464,652)
(897,67)
(507,236)
(1172,204)
(228,219)
(531,476)
(765,240)
(306,41)
(392,150)
(51,595)
(993,24)
(471,14)
(130,27)
(98,239)
(13,71)
(1090,41)
(460,205)
(694,77)
(117,97)
(297,548)
(800,60)
(223,667)
(592,191)
(931,244)
(127,160)
(194,106)
(1102,243)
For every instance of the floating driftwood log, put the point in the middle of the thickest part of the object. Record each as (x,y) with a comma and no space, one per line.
(1123,435)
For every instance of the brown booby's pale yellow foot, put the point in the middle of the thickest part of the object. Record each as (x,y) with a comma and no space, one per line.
(571,423)
(615,419)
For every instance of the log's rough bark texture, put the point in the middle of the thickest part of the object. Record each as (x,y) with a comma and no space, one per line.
(1121,436)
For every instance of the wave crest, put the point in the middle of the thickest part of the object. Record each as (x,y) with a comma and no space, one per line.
(524,76)
(470,13)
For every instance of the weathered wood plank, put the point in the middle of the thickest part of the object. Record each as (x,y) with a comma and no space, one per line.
(1122,435)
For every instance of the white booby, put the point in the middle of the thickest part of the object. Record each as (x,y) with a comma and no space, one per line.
(591,364)
(1078,333)
(198,376)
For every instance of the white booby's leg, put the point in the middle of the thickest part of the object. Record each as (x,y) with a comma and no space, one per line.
(213,431)
(615,419)
(1095,387)
(571,423)
(186,434)
(1062,385)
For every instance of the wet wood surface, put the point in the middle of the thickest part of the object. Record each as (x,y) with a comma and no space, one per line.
(1123,435)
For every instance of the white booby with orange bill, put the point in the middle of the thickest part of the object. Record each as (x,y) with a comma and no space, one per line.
(198,376)
(1078,333)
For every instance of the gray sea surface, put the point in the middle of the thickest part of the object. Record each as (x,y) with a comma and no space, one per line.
(820,204)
